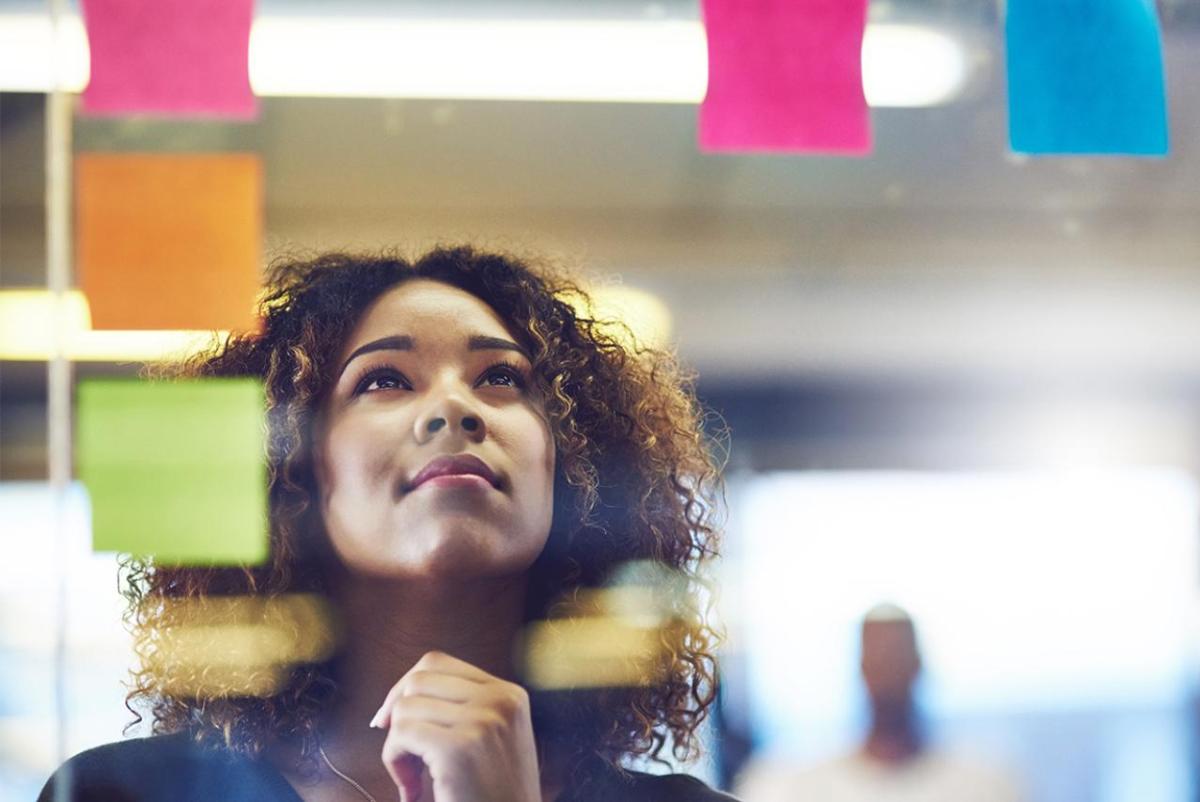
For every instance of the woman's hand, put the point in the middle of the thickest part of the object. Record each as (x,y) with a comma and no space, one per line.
(459,730)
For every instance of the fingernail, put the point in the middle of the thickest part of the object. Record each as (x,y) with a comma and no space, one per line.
(377,722)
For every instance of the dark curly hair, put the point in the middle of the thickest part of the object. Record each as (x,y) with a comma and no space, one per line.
(636,479)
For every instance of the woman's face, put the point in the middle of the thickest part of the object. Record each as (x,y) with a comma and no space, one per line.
(435,458)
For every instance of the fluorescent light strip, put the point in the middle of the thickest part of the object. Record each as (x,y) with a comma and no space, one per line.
(645,61)
(27,327)
(651,62)
(27,320)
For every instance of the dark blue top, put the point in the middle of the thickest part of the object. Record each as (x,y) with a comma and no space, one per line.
(172,767)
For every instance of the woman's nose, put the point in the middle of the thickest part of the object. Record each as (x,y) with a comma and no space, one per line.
(449,416)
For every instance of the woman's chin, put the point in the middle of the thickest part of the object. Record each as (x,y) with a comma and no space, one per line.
(444,556)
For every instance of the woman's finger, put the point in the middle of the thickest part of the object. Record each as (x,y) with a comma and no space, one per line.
(426,684)
(408,750)
(433,711)
(432,744)
(408,773)
(444,663)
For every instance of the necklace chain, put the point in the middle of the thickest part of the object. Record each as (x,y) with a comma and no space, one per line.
(344,776)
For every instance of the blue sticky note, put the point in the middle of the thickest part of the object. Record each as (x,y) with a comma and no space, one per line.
(1086,77)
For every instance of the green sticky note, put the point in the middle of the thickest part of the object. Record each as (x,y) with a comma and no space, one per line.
(175,470)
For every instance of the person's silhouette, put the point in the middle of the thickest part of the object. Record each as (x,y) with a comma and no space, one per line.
(895,762)
(891,666)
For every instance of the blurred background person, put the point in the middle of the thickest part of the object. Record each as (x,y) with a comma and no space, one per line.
(896,762)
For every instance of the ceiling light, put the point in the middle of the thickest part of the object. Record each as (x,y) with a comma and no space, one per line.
(628,61)
(27,333)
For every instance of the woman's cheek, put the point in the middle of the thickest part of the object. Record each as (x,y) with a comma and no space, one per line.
(363,450)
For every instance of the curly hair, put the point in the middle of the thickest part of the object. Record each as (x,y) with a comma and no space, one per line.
(637,478)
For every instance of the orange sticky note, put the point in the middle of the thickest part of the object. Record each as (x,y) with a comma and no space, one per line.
(169,241)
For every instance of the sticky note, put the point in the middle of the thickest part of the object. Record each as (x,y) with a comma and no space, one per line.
(175,469)
(1085,77)
(169,241)
(169,58)
(785,75)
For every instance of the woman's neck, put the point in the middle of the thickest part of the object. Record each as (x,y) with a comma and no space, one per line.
(387,626)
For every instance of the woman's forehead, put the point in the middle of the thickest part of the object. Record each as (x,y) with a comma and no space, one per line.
(425,307)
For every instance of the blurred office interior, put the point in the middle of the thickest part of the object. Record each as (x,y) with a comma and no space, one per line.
(955,378)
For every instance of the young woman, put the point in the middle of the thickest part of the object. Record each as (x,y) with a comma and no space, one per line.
(454,453)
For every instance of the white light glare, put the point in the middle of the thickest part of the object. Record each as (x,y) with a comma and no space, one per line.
(27,55)
(642,61)
(908,65)
(27,332)
(651,62)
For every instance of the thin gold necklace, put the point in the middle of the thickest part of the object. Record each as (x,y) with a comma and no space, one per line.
(344,776)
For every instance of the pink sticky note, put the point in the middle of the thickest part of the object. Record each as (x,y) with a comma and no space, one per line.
(785,75)
(169,57)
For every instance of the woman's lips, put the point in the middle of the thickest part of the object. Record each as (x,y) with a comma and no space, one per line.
(455,470)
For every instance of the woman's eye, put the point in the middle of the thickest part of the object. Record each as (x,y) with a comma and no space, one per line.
(502,377)
(384,383)
(385,380)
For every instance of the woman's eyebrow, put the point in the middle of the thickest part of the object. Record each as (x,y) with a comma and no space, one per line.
(400,342)
(403,342)
(480,342)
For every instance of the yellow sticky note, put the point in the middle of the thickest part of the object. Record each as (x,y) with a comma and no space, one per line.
(175,470)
